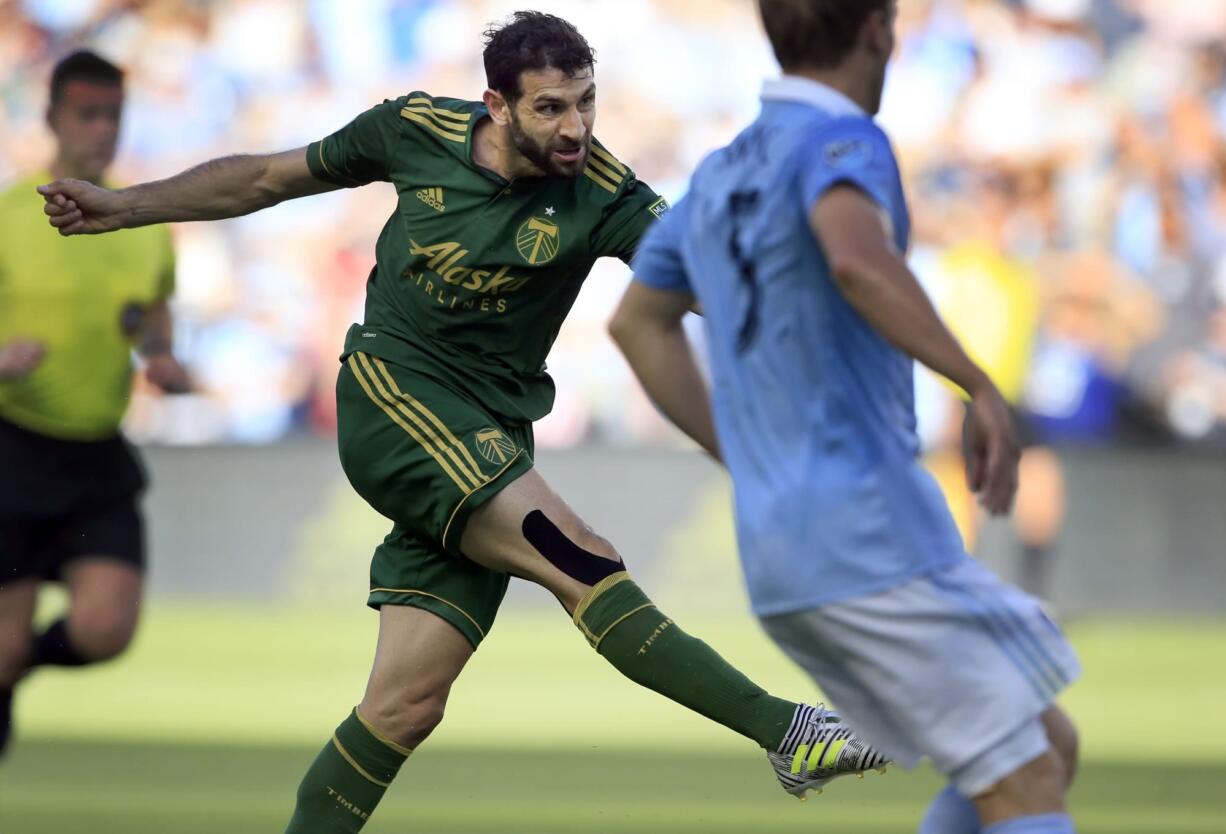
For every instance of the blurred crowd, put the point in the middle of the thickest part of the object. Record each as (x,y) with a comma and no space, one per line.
(1066,163)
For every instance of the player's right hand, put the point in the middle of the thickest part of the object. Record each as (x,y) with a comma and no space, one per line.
(19,358)
(992,451)
(77,207)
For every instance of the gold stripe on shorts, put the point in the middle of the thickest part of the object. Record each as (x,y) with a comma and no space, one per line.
(389,407)
(400,401)
(420,408)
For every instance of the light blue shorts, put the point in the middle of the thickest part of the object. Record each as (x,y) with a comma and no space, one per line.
(956,666)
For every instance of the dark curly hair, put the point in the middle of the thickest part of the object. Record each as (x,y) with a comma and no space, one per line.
(532,41)
(83,65)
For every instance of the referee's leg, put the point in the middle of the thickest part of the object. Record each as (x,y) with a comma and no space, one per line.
(104,597)
(17,600)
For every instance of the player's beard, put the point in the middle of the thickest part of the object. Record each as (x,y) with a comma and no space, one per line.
(541,155)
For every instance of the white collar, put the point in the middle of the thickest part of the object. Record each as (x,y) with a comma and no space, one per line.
(807,91)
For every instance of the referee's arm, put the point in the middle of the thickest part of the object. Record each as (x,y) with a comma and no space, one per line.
(227,187)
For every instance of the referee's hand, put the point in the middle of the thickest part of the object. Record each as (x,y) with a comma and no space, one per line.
(164,371)
(77,207)
(992,451)
(19,358)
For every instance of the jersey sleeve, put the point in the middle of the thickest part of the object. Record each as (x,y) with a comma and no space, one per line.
(629,217)
(849,151)
(658,263)
(359,152)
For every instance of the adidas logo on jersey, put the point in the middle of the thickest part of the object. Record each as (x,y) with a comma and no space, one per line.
(433,197)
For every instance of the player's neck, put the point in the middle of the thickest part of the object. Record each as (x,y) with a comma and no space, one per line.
(845,81)
(63,169)
(494,150)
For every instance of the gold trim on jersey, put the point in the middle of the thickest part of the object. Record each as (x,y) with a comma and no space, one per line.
(423,119)
(415,426)
(439,111)
(607,158)
(603,169)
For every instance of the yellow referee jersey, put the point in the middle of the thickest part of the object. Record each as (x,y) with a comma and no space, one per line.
(82,298)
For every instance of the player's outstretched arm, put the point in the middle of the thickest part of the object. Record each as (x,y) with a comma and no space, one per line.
(226,187)
(647,327)
(876,281)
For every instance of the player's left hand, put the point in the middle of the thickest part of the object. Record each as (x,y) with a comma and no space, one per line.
(164,371)
(992,451)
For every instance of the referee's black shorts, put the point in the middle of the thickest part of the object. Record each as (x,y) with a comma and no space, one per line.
(64,499)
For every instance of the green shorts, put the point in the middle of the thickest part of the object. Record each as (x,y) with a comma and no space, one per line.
(426,457)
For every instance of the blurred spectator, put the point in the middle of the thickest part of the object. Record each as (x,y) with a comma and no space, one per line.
(1066,157)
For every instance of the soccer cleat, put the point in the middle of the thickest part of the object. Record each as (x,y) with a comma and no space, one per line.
(818,747)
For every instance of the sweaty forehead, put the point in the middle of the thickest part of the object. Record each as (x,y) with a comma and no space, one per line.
(80,93)
(551,82)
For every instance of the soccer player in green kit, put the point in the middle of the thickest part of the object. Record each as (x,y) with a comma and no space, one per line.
(505,204)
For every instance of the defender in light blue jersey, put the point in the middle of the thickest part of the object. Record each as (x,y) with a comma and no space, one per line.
(792,241)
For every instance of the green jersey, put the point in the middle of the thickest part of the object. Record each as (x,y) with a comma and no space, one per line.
(474,273)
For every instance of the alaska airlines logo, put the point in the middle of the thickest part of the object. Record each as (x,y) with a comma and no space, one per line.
(537,240)
(446,260)
(494,446)
(433,197)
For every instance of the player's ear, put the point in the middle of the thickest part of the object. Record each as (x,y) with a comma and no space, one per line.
(879,31)
(500,109)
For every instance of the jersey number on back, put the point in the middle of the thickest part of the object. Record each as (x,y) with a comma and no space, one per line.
(740,205)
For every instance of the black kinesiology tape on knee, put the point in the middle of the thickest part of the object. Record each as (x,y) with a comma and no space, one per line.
(564,554)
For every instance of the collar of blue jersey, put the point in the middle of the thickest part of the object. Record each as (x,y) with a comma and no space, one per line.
(807,91)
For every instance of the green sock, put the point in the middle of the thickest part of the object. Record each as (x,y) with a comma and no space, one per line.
(626,629)
(346,780)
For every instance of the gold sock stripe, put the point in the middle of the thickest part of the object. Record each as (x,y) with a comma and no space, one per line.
(447,114)
(428,414)
(340,748)
(399,748)
(414,116)
(467,616)
(597,589)
(599,180)
(399,420)
(618,622)
(600,168)
(607,158)
(399,400)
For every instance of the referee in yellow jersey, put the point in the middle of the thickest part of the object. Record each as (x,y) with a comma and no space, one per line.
(71,313)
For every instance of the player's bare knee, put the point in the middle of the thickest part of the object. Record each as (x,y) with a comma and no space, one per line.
(407,717)
(102,635)
(572,547)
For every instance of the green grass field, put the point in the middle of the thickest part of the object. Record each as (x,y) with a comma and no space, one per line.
(209,722)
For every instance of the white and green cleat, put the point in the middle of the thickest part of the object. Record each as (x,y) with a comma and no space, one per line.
(818,747)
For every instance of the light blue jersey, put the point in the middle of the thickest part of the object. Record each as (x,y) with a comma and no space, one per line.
(814,410)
